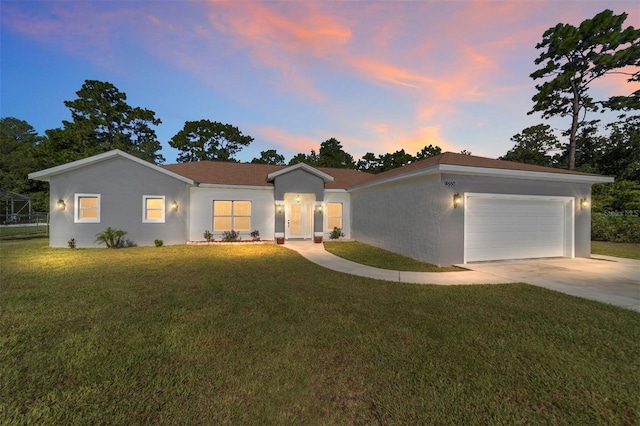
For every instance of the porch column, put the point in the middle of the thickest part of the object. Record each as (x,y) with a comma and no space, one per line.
(318,219)
(279,221)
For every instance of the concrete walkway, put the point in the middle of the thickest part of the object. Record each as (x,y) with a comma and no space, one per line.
(317,254)
(605,279)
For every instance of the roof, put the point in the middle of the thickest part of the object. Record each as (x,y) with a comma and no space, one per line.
(246,174)
(259,175)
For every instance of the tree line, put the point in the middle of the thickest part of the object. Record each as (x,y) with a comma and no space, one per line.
(572,59)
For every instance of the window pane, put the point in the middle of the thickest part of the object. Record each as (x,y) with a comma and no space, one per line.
(154,203)
(222,224)
(154,214)
(242,224)
(334,209)
(334,222)
(222,208)
(242,208)
(89,214)
(88,202)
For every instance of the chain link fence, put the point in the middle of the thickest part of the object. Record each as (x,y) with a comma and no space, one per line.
(24,225)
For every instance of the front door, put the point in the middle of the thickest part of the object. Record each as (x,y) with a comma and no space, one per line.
(299,218)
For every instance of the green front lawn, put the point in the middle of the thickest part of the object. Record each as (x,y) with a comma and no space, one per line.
(379,258)
(255,334)
(628,250)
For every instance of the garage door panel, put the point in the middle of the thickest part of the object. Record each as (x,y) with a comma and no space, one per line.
(501,228)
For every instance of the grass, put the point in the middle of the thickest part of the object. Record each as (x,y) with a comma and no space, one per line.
(9,232)
(255,334)
(379,258)
(628,250)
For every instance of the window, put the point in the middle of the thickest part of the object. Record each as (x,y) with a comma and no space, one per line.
(153,209)
(334,216)
(231,216)
(87,208)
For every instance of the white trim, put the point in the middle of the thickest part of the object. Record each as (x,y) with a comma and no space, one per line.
(145,219)
(569,215)
(76,208)
(45,175)
(303,166)
(226,186)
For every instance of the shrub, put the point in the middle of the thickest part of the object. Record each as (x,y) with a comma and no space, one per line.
(208,235)
(72,243)
(112,237)
(158,243)
(336,233)
(618,227)
(255,235)
(229,236)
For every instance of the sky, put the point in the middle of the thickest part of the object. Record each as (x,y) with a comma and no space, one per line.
(379,76)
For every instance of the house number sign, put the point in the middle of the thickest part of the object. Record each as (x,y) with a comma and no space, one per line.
(449,183)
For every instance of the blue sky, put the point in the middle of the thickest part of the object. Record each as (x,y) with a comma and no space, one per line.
(377,76)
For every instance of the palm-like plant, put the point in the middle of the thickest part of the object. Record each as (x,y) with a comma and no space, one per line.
(111,237)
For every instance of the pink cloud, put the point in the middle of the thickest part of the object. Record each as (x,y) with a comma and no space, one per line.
(282,138)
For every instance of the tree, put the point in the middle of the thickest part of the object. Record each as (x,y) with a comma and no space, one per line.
(372,164)
(208,140)
(621,151)
(369,163)
(102,121)
(394,160)
(269,156)
(574,58)
(300,158)
(428,151)
(331,154)
(19,143)
(533,146)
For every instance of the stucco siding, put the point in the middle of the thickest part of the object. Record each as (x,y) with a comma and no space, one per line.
(262,210)
(121,184)
(402,217)
(299,181)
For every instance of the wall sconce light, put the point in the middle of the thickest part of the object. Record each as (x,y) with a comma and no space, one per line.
(298,198)
(61,204)
(457,200)
(175,206)
(279,208)
(584,203)
(319,208)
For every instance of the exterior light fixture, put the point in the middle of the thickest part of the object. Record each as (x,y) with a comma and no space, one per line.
(319,208)
(457,200)
(584,203)
(61,204)
(298,198)
(279,207)
(175,206)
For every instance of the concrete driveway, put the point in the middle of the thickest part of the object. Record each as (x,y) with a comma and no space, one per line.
(603,278)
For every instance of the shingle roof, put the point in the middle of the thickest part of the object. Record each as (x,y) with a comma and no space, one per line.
(227,173)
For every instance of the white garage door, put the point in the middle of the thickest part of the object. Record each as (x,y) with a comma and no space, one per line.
(502,227)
